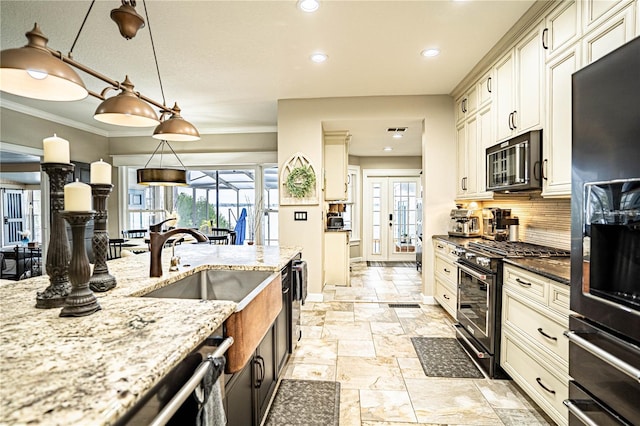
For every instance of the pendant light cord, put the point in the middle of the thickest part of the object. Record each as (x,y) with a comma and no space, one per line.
(155,58)
(81,27)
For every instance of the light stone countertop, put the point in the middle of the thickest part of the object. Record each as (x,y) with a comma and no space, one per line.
(91,370)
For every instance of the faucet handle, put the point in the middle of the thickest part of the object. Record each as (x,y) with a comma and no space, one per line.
(175,261)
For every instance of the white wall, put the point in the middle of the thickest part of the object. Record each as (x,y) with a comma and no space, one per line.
(300,130)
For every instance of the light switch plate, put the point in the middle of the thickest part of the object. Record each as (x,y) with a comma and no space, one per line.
(299,215)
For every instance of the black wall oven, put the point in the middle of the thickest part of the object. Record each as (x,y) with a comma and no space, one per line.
(604,336)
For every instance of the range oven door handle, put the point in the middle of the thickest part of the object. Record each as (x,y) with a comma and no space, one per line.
(576,411)
(605,356)
(481,355)
(472,272)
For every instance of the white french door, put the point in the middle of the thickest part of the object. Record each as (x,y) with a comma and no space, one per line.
(390,217)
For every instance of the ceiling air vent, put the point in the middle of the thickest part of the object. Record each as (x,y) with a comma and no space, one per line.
(396,129)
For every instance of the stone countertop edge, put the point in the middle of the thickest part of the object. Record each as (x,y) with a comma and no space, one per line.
(90,370)
(554,268)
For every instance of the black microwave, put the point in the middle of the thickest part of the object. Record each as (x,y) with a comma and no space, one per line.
(515,165)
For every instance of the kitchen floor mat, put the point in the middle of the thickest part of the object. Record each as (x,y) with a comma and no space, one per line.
(444,357)
(375,264)
(305,402)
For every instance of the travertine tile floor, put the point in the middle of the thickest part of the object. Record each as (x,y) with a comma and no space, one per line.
(355,338)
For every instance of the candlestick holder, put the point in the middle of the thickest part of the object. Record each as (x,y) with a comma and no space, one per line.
(81,301)
(101,280)
(58,253)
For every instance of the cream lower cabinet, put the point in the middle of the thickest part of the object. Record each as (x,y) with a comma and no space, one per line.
(336,258)
(535,353)
(446,277)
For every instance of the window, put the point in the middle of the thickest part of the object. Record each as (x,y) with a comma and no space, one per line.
(213,199)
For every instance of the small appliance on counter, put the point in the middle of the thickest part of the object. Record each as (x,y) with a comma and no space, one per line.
(497,224)
(465,223)
(334,216)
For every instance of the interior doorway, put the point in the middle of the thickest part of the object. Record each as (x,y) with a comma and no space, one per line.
(391,215)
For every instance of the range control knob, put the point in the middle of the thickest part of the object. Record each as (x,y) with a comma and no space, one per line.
(483,261)
(469,256)
(458,251)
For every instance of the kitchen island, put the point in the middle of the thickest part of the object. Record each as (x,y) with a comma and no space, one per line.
(91,370)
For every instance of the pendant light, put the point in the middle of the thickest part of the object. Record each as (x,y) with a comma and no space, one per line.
(176,128)
(162,176)
(126,109)
(34,72)
(127,19)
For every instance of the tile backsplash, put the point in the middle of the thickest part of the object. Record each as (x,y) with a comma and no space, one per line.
(542,221)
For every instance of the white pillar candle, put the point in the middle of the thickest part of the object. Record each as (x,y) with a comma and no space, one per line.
(56,150)
(77,197)
(100,172)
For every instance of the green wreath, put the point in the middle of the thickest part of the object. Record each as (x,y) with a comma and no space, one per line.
(300,181)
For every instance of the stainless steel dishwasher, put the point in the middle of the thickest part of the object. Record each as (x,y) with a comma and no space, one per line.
(170,401)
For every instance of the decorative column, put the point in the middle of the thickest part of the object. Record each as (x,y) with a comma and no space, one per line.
(58,253)
(81,301)
(101,280)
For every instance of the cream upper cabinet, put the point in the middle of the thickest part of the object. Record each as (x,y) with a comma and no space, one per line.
(563,27)
(610,34)
(519,87)
(485,89)
(597,12)
(556,140)
(336,160)
(466,105)
(473,137)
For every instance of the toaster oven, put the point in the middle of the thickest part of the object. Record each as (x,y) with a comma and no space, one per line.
(335,222)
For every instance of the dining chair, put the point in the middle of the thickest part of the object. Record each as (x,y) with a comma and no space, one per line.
(134,233)
(115,248)
(221,236)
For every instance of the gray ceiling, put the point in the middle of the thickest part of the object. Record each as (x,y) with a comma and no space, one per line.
(228,62)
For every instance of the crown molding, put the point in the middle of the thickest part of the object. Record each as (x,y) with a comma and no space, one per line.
(530,17)
(14,106)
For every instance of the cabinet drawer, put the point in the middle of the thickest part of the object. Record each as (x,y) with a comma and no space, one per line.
(445,249)
(559,298)
(446,270)
(536,326)
(544,386)
(447,297)
(530,285)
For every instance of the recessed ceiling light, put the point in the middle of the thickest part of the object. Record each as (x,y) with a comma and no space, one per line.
(308,5)
(387,148)
(318,57)
(397,135)
(430,53)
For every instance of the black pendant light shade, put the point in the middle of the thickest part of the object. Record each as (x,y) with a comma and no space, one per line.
(126,109)
(162,177)
(176,128)
(34,72)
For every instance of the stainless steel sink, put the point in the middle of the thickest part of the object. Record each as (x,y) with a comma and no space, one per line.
(238,286)
(259,298)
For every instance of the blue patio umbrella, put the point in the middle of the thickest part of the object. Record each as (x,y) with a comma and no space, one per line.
(241,224)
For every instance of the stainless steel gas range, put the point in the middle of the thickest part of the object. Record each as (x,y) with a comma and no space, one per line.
(480,296)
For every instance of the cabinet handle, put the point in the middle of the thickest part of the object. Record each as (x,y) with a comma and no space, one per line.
(489,84)
(523,283)
(545,32)
(447,271)
(551,391)
(513,119)
(543,169)
(510,115)
(439,246)
(285,290)
(259,361)
(446,297)
(463,105)
(555,339)
(463,183)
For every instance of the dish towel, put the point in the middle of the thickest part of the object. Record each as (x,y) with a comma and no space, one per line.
(209,395)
